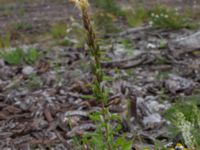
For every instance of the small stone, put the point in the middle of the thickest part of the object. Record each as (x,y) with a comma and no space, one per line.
(152,119)
(151,46)
(176,84)
(27,70)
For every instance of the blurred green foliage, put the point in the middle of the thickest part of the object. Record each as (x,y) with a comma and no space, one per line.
(136,17)
(18,56)
(13,57)
(58,30)
(5,41)
(109,6)
(105,22)
(184,115)
(159,16)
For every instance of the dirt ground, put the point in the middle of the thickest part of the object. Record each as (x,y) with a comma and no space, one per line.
(42,13)
(38,101)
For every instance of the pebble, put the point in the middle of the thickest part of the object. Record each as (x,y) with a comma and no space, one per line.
(27,70)
(152,119)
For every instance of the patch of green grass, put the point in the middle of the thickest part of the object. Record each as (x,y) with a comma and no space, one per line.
(159,16)
(58,30)
(105,22)
(13,57)
(164,17)
(96,140)
(185,118)
(136,17)
(64,42)
(18,56)
(31,56)
(109,6)
(128,44)
(22,26)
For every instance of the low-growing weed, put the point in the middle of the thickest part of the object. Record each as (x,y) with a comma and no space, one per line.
(136,17)
(64,42)
(13,57)
(185,118)
(96,140)
(164,17)
(105,22)
(58,30)
(109,6)
(22,26)
(159,16)
(128,44)
(18,56)
(31,56)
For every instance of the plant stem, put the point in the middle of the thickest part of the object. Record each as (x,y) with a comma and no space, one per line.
(95,54)
(105,114)
(95,57)
(97,70)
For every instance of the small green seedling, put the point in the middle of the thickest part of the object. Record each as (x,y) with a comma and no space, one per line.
(58,30)
(31,56)
(13,57)
(18,56)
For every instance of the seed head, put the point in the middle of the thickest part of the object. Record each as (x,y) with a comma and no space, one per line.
(81,4)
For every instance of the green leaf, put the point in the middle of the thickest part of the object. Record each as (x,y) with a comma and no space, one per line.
(89,97)
(127,145)
(107,78)
(123,143)
(97,140)
(95,116)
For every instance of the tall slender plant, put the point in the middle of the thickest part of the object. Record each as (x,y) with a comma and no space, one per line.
(104,133)
(95,57)
(94,50)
